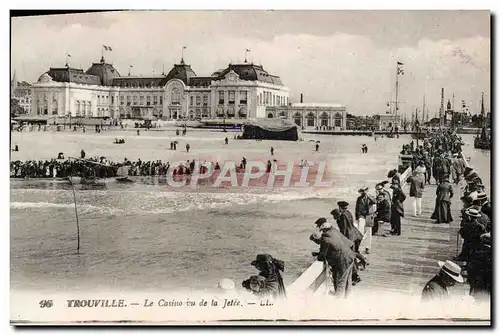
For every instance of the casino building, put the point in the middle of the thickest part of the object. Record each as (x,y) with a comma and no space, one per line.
(239,91)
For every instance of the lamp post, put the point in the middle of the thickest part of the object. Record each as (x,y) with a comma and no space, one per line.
(69,114)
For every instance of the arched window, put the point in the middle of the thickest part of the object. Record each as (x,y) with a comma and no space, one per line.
(297,118)
(242,112)
(338,120)
(230,112)
(270,116)
(54,107)
(311,120)
(45,107)
(283,115)
(191,114)
(205,113)
(176,96)
(324,119)
(198,113)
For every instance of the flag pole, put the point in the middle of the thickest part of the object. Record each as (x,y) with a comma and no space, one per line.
(397,89)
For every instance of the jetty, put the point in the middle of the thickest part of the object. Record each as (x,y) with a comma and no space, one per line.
(400,264)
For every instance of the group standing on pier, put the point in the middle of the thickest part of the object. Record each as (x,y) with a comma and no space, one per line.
(439,157)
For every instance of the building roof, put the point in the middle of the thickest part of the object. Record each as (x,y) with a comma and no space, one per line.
(142,82)
(182,72)
(316,104)
(106,72)
(200,81)
(71,75)
(251,72)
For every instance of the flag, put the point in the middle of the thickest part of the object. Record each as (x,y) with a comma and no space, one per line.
(248,50)
(130,66)
(107,48)
(69,55)
(400,69)
(184,47)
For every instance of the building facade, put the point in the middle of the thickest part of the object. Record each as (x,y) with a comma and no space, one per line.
(319,116)
(388,122)
(21,91)
(238,91)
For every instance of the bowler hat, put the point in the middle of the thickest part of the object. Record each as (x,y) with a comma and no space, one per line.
(262,258)
(379,187)
(343,204)
(392,173)
(320,221)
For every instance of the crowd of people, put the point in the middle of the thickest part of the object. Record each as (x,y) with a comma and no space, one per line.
(439,157)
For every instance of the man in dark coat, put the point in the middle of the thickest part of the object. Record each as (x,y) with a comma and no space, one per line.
(272,283)
(437,287)
(364,212)
(471,232)
(345,222)
(397,208)
(479,269)
(383,214)
(335,249)
(444,193)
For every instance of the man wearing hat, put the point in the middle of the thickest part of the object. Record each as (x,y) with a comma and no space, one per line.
(478,203)
(397,208)
(335,249)
(272,283)
(442,210)
(383,214)
(417,182)
(345,222)
(457,168)
(363,212)
(437,287)
(471,232)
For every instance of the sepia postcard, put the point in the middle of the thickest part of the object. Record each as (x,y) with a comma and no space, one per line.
(251,167)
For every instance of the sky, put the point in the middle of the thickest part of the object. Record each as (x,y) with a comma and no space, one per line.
(346,57)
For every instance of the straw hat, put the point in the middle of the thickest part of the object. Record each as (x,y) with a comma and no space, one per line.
(452,270)
(472,212)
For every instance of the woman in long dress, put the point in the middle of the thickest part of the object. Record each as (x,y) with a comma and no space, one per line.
(444,193)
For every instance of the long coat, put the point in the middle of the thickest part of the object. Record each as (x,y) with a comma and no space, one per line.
(442,211)
(347,228)
(383,211)
(335,248)
(417,185)
(398,197)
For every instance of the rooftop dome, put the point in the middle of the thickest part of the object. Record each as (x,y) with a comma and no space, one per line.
(106,72)
(182,72)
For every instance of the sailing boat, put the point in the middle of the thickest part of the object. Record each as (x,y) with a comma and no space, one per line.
(483,138)
(419,134)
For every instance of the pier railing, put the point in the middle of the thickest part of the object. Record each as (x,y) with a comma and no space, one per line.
(316,277)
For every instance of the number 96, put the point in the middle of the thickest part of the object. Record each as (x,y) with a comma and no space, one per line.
(46,303)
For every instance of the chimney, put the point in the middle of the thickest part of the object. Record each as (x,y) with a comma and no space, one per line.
(301,98)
